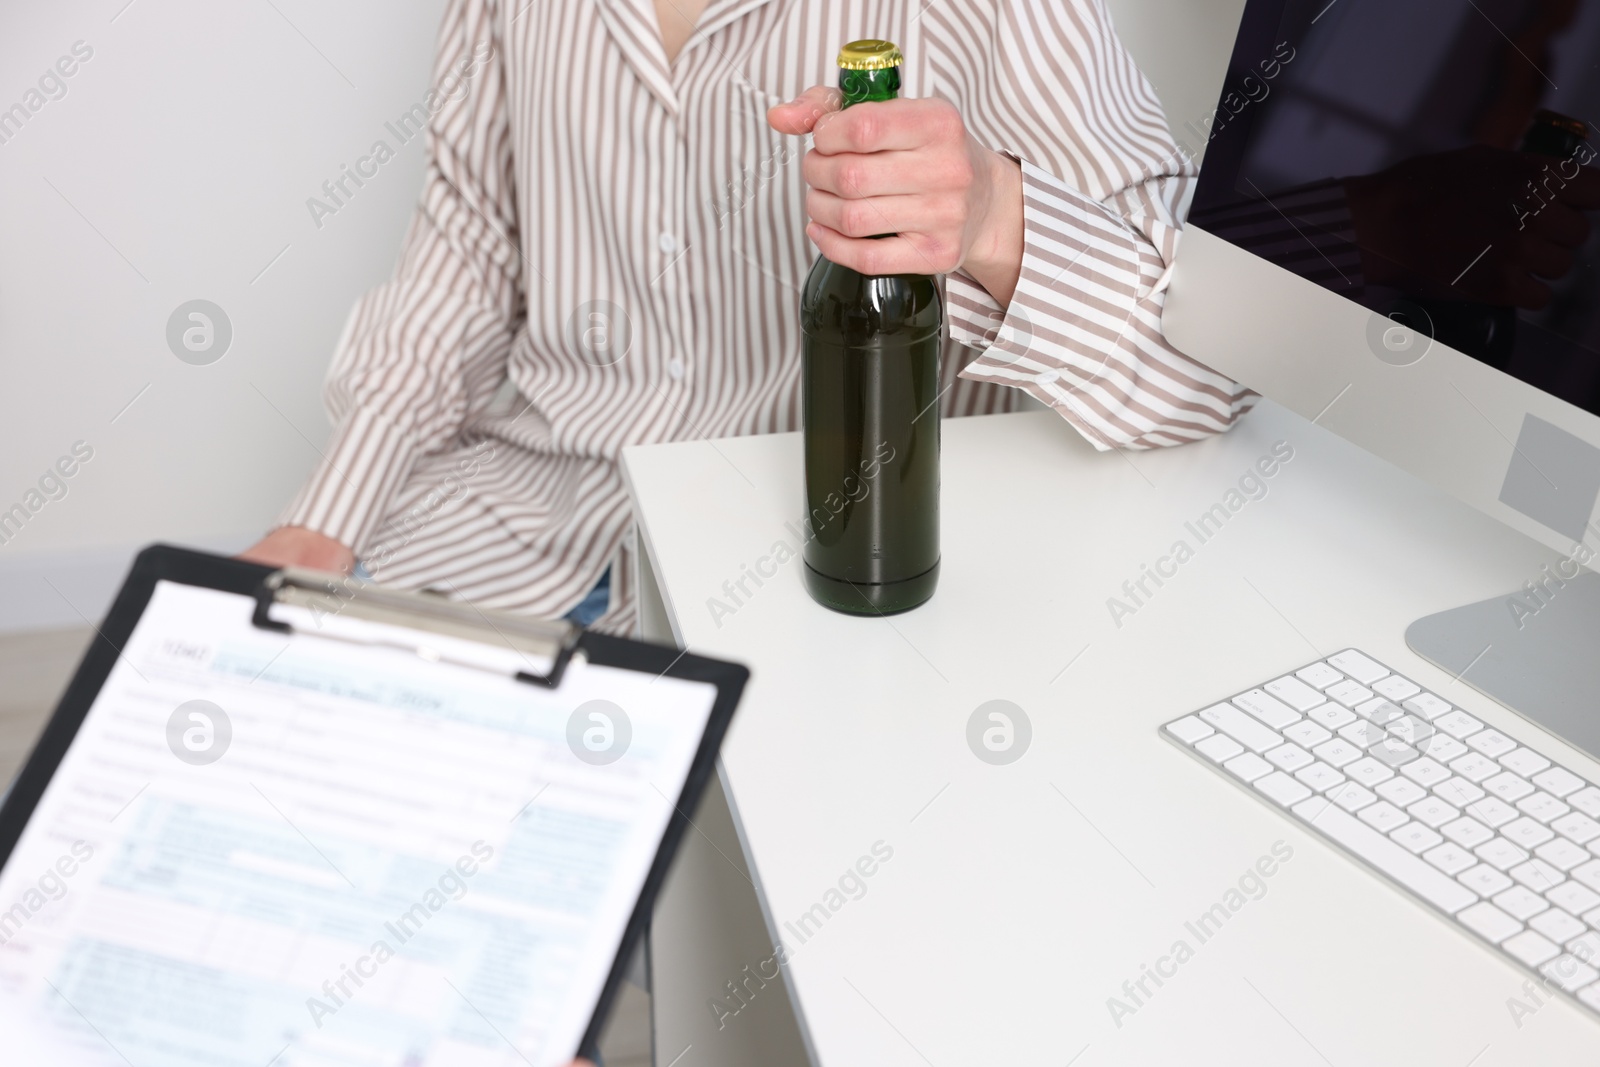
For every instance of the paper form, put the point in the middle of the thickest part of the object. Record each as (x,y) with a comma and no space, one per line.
(392,863)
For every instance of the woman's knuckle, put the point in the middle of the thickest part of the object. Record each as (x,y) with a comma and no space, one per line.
(853,178)
(857,218)
(865,131)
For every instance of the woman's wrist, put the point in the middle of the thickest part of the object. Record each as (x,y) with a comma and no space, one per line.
(995,260)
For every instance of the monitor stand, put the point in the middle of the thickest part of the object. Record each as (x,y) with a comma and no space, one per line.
(1543,664)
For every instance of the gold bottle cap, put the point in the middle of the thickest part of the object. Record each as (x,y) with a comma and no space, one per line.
(1565,123)
(869,55)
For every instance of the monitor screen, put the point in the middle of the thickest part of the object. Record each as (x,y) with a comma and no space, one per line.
(1432,160)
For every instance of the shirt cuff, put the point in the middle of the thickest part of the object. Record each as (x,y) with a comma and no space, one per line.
(346,497)
(1063,230)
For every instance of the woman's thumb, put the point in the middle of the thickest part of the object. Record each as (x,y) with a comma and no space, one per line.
(801,115)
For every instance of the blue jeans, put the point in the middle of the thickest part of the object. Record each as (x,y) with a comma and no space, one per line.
(594,603)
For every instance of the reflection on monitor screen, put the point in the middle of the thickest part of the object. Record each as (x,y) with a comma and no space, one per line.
(1431,160)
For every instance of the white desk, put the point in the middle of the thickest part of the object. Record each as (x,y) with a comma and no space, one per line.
(1021,897)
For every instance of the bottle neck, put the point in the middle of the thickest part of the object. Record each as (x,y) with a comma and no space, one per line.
(860,86)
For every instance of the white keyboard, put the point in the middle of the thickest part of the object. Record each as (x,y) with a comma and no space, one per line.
(1492,834)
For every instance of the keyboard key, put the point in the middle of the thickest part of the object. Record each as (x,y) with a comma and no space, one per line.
(1475,767)
(1557,925)
(1569,973)
(1281,788)
(1489,922)
(1442,747)
(1410,729)
(1507,786)
(1432,811)
(1351,797)
(1530,947)
(1368,771)
(1363,734)
(1542,806)
(1331,716)
(1570,896)
(1427,705)
(1562,854)
(1415,837)
(1588,874)
(1382,816)
(1349,693)
(1558,781)
(1586,800)
(1425,772)
(1491,743)
(1379,710)
(1319,675)
(1576,827)
(1499,853)
(1458,724)
(1526,833)
(1247,766)
(1524,761)
(1520,902)
(1537,875)
(1492,812)
(1483,880)
(1389,858)
(1586,946)
(1241,727)
(1218,747)
(1450,858)
(1189,729)
(1295,693)
(1275,713)
(1460,792)
(1357,666)
(1319,777)
(1306,734)
(1289,757)
(1401,792)
(1394,752)
(1337,752)
(1468,833)
(1396,688)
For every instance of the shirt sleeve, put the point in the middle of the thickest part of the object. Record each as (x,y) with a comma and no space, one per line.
(426,350)
(1105,189)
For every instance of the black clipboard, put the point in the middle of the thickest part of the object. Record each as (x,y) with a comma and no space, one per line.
(563,640)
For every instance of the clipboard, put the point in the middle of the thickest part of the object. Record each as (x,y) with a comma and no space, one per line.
(429,635)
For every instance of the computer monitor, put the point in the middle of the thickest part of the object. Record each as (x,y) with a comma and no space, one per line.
(1392,235)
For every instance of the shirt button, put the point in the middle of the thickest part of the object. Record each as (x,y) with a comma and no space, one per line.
(1045,377)
(675,369)
(667,243)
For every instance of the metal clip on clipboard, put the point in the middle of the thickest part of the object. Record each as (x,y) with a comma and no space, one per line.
(315,604)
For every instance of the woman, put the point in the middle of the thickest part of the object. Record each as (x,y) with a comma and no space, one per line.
(616,220)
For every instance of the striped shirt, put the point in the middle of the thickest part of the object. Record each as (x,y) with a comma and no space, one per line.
(609,250)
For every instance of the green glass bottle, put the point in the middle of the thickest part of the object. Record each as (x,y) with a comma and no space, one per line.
(870,392)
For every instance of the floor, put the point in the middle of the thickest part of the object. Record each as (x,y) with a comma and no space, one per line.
(35,668)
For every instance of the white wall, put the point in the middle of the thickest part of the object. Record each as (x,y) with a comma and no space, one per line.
(1183,47)
(177,166)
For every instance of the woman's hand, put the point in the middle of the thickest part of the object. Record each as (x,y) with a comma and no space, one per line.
(910,168)
(296,546)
